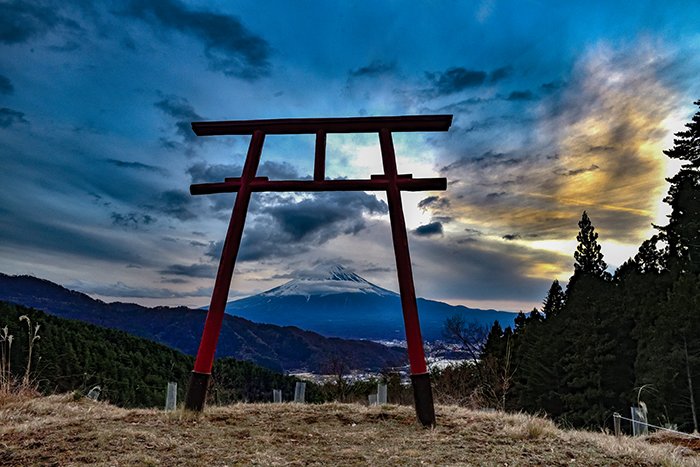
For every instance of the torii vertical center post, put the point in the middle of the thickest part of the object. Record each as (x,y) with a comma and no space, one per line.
(390,181)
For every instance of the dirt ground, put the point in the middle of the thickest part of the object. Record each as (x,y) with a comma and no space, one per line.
(59,431)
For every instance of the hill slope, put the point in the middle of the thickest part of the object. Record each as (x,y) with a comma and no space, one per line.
(57,431)
(278,348)
(131,371)
(334,301)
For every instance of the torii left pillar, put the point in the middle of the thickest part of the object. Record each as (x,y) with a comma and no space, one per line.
(390,182)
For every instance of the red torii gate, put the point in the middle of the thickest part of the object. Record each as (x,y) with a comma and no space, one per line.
(391,182)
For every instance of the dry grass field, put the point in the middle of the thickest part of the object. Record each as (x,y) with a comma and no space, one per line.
(59,431)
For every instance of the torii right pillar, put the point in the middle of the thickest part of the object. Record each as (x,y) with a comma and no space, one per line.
(420,378)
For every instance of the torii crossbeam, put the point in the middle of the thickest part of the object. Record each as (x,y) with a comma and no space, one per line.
(390,182)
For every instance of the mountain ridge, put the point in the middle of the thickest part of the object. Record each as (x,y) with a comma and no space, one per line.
(281,348)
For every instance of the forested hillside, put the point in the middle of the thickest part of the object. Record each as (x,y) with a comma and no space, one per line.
(131,371)
(611,340)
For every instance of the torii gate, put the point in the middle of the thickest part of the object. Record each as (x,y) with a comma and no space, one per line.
(390,182)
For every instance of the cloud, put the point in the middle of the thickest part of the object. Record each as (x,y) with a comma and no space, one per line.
(121,289)
(131,220)
(456,79)
(574,172)
(283,226)
(314,215)
(175,203)
(180,109)
(433,202)
(192,270)
(597,147)
(21,21)
(9,117)
(484,269)
(375,68)
(433,228)
(500,74)
(228,45)
(512,237)
(201,172)
(6,86)
(521,96)
(136,166)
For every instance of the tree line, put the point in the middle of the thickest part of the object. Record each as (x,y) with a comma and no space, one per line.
(607,341)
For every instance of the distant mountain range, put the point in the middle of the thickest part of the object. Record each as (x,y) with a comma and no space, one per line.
(334,301)
(279,348)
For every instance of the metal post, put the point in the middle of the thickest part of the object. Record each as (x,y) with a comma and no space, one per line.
(199,380)
(420,378)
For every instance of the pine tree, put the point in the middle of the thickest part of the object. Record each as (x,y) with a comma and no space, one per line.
(554,301)
(588,258)
(683,231)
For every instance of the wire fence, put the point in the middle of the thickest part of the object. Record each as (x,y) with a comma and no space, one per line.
(620,417)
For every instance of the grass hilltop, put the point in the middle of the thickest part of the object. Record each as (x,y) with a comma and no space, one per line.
(58,430)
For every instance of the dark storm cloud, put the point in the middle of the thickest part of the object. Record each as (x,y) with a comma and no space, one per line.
(433,228)
(433,202)
(6,86)
(192,270)
(574,172)
(131,220)
(487,159)
(456,79)
(314,215)
(136,166)
(500,74)
(281,226)
(175,203)
(9,117)
(552,86)
(521,96)
(512,237)
(376,68)
(22,21)
(201,172)
(181,110)
(228,45)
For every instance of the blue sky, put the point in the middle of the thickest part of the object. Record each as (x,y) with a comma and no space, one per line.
(558,107)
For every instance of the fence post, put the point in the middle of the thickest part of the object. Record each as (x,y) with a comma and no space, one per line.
(171,397)
(381,394)
(277,395)
(616,422)
(299,392)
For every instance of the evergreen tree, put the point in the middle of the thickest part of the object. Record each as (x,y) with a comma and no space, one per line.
(554,301)
(588,258)
(683,231)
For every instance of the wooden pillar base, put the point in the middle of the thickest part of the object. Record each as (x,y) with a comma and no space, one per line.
(197,391)
(423,398)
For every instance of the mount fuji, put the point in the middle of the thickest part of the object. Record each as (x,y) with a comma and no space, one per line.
(336,302)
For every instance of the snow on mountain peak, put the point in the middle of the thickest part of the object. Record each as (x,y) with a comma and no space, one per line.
(326,280)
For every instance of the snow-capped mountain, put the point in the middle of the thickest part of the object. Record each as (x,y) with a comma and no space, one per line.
(327,281)
(335,301)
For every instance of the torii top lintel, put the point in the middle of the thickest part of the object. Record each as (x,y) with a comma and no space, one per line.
(320,127)
(299,126)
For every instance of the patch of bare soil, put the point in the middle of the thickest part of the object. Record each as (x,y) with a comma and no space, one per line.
(58,431)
